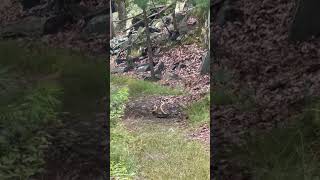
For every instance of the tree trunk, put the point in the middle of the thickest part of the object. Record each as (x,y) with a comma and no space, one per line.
(149,43)
(112,33)
(174,20)
(122,13)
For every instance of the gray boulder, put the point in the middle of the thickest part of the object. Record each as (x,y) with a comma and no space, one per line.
(119,70)
(144,68)
(29,26)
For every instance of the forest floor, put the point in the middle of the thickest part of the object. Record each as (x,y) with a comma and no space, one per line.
(176,146)
(163,147)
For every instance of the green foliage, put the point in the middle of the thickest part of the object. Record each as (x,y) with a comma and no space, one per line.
(143,4)
(28,59)
(22,136)
(201,9)
(29,104)
(118,100)
(121,163)
(199,112)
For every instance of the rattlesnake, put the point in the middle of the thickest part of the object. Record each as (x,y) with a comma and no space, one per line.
(160,107)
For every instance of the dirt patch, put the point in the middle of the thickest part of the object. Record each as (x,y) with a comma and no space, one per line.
(202,134)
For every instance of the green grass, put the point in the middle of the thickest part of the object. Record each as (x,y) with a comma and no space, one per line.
(199,112)
(142,88)
(164,153)
(285,153)
(122,163)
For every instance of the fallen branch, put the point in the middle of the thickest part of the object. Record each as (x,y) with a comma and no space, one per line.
(152,15)
(119,21)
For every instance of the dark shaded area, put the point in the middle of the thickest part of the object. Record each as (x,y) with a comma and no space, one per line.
(260,80)
(306,21)
(27,4)
(79,144)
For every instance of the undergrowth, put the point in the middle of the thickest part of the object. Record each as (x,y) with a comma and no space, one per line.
(286,153)
(122,164)
(36,84)
(143,88)
(23,121)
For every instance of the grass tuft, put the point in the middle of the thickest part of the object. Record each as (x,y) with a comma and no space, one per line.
(199,112)
(142,88)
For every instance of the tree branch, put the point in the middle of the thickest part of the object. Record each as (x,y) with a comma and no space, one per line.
(119,21)
(152,15)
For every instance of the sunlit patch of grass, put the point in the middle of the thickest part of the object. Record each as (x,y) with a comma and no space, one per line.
(164,153)
(122,163)
(142,88)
